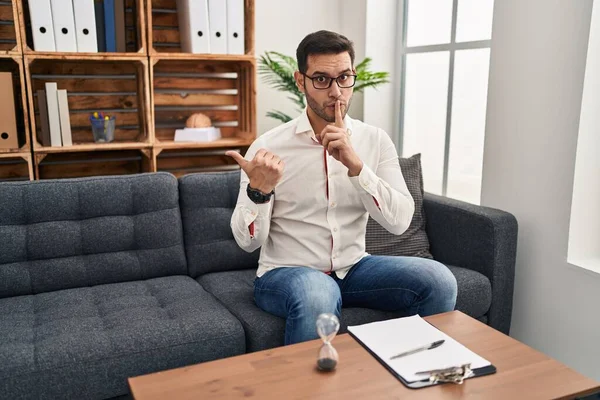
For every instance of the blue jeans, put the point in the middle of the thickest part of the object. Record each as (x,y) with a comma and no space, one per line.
(408,284)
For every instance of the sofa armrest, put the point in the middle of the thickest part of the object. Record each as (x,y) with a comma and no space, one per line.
(479,238)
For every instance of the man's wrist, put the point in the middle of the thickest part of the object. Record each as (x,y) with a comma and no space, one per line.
(265,189)
(355,170)
(258,196)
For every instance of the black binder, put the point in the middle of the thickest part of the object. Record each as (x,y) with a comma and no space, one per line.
(490,369)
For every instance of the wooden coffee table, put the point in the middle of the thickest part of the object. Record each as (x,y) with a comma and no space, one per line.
(289,373)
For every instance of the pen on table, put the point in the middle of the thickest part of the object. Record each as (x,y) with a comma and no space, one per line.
(418,349)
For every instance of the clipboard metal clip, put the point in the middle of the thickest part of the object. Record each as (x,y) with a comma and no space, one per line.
(455,375)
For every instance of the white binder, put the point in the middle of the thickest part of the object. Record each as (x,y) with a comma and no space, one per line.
(85,25)
(65,119)
(235,27)
(193,26)
(53,114)
(217,17)
(40,15)
(64,25)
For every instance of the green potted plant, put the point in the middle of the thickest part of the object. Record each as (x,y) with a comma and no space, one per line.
(277,70)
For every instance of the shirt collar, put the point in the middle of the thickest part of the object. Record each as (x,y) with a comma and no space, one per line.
(304,125)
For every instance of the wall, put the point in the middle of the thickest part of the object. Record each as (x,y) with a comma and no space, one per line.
(280,26)
(584,240)
(537,72)
(381,105)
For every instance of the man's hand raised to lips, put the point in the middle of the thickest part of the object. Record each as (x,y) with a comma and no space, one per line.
(335,139)
(264,170)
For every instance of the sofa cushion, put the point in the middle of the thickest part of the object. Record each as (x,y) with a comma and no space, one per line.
(85,342)
(235,289)
(207,201)
(60,234)
(414,241)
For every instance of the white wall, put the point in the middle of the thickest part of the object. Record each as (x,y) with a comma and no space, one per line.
(584,240)
(352,25)
(381,105)
(537,71)
(280,26)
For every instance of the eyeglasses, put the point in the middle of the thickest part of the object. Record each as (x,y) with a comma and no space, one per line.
(322,82)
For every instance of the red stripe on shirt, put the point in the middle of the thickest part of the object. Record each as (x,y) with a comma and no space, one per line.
(376,203)
(251,229)
(327,194)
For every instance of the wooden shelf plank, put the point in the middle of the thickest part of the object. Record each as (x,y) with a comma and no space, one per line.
(93,147)
(22,154)
(38,55)
(221,143)
(204,57)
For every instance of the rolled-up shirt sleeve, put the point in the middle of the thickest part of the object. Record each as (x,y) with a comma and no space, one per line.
(250,222)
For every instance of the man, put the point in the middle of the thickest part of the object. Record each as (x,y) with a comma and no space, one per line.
(307,188)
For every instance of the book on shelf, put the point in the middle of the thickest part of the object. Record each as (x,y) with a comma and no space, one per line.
(63,21)
(85,24)
(43,133)
(9,137)
(65,121)
(78,25)
(53,114)
(211,26)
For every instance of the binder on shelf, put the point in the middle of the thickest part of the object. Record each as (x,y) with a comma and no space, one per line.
(43,134)
(63,20)
(235,27)
(194,32)
(217,19)
(85,25)
(109,25)
(9,136)
(65,121)
(410,349)
(120,39)
(100,28)
(40,15)
(53,114)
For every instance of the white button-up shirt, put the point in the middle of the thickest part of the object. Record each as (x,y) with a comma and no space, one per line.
(318,215)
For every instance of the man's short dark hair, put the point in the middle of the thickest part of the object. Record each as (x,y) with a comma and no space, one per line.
(322,42)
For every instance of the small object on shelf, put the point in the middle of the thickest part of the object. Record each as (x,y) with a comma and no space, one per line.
(209,134)
(198,120)
(103,127)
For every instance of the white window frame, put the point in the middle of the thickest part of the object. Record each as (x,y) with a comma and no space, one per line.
(452,47)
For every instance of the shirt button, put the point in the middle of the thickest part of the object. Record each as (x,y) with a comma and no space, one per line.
(335,229)
(333,257)
(333,204)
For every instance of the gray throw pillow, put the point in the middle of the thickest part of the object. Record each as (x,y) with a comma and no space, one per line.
(414,242)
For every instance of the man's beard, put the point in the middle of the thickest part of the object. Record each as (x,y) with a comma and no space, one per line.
(322,111)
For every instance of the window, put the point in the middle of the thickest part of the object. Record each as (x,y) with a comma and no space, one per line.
(445,53)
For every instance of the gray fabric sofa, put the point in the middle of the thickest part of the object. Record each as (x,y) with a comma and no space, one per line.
(110,277)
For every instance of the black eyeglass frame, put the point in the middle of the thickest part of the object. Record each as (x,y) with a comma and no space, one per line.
(312,78)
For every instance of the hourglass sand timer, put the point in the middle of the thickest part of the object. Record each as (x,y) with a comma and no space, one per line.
(328,326)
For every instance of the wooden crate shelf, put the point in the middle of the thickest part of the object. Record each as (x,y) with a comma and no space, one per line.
(224,91)
(151,90)
(16,167)
(118,87)
(184,161)
(163,27)
(81,164)
(135,28)
(14,65)
(10,33)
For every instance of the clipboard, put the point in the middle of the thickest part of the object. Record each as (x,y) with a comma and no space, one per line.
(490,369)
(453,361)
